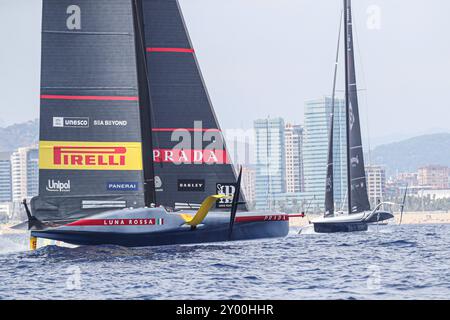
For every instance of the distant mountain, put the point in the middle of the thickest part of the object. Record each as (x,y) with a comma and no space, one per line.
(408,155)
(19,135)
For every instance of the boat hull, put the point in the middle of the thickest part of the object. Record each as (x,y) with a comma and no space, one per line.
(340,227)
(173,231)
(350,223)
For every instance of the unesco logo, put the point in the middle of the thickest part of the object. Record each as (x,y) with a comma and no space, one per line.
(70,122)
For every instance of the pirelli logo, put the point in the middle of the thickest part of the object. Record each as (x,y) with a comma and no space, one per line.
(63,155)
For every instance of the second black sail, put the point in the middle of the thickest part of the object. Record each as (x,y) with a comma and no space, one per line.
(357,185)
(190,158)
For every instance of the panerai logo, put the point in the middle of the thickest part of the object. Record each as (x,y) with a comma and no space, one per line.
(58,186)
(122,186)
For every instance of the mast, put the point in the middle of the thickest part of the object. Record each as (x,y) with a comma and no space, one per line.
(145,106)
(347,104)
(329,187)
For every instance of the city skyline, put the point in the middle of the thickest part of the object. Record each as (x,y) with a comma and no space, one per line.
(291,67)
(19,178)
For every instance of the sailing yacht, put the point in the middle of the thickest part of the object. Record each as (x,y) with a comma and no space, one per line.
(359,213)
(131,152)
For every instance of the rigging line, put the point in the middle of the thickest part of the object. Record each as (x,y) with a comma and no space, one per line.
(366,99)
(144,50)
(341,162)
(332,119)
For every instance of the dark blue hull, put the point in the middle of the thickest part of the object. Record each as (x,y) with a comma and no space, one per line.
(203,234)
(340,227)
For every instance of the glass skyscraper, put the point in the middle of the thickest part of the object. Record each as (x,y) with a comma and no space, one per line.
(315,151)
(5,177)
(270,162)
(294,158)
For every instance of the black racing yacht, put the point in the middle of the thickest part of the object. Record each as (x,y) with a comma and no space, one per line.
(359,214)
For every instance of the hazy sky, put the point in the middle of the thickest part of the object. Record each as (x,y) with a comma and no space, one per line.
(266,57)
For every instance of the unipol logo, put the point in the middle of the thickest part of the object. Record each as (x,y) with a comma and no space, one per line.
(73,22)
(57,186)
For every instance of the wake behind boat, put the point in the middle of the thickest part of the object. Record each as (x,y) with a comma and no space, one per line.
(127,130)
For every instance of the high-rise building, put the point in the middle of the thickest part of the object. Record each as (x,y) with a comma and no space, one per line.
(248,183)
(376,183)
(5,177)
(25,173)
(435,177)
(294,158)
(270,161)
(5,211)
(407,178)
(315,150)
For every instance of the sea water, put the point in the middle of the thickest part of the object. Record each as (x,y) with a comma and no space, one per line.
(391,262)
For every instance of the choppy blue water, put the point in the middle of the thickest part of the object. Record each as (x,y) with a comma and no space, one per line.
(406,262)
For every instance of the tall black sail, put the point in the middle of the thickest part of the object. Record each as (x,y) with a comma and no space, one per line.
(90,132)
(190,158)
(357,193)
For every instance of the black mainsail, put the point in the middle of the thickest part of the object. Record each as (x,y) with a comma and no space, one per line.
(189,153)
(90,131)
(126,120)
(357,187)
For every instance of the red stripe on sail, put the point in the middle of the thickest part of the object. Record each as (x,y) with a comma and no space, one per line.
(186,129)
(185,50)
(96,98)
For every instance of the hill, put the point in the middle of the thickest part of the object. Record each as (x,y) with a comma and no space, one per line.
(19,135)
(408,155)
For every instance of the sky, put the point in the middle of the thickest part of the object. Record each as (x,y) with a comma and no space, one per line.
(264,58)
